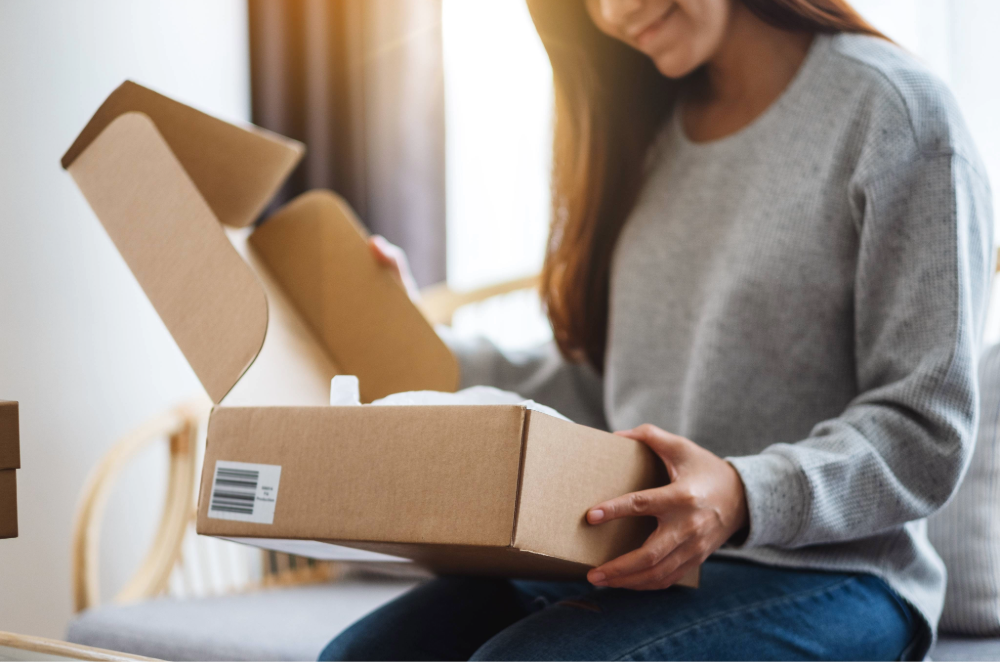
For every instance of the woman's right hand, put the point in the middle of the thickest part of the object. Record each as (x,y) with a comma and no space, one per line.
(393,257)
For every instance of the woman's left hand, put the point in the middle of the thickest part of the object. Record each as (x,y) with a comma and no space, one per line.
(703,506)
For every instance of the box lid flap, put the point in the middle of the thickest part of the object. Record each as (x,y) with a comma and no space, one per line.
(307,300)
(207,296)
(317,251)
(237,169)
(10,440)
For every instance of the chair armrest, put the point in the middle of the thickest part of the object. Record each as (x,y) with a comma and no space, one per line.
(23,647)
(439,302)
(180,426)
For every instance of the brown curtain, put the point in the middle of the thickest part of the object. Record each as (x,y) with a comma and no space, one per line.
(360,82)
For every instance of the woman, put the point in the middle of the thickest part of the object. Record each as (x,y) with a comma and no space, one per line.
(772,239)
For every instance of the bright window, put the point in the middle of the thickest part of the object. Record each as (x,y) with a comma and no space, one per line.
(498,108)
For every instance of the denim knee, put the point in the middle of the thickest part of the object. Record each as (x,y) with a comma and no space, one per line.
(351,645)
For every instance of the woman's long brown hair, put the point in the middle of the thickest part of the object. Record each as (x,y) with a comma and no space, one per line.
(610,101)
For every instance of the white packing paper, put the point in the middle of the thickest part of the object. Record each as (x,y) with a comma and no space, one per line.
(344,391)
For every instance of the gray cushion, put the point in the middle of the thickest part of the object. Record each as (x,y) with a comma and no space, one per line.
(966,532)
(291,624)
(958,648)
(276,624)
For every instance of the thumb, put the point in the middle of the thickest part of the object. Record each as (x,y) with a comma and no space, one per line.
(671,448)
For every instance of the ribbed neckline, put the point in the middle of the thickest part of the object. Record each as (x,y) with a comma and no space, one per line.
(794,89)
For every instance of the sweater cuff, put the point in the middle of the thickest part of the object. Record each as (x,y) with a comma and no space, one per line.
(475,357)
(777,498)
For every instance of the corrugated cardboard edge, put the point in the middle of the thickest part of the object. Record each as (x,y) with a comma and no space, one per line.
(237,169)
(509,562)
(525,422)
(10,436)
(8,503)
(441,558)
(10,461)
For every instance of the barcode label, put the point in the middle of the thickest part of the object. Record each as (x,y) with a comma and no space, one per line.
(244,492)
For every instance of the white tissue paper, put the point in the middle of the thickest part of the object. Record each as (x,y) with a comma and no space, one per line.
(344,391)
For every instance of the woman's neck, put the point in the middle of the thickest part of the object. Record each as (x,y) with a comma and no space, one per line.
(754,65)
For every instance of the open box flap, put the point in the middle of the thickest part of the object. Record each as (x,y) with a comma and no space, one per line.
(306,301)
(317,251)
(237,169)
(207,296)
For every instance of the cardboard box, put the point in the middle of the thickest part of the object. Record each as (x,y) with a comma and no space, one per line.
(486,489)
(266,317)
(10,461)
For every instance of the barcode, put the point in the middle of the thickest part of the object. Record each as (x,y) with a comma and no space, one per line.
(235,491)
(244,492)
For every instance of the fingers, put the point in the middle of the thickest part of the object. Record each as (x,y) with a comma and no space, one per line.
(654,550)
(672,500)
(634,504)
(658,580)
(393,257)
(383,251)
(653,575)
(674,450)
(664,573)
(656,438)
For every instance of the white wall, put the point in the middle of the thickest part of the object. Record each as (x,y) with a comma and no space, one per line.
(80,346)
(498,105)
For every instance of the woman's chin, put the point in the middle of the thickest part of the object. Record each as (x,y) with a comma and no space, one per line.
(676,58)
(673,66)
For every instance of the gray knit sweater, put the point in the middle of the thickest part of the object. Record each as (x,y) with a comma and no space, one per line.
(805,298)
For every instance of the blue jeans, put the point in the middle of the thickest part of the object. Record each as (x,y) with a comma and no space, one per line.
(742,611)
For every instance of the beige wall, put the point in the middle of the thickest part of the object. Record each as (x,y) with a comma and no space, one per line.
(80,347)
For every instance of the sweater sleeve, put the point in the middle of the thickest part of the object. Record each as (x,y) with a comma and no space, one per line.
(540,373)
(900,448)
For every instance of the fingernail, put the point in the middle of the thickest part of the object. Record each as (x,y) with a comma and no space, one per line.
(596,578)
(596,515)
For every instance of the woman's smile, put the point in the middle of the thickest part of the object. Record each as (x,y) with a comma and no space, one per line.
(677,35)
(645,36)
